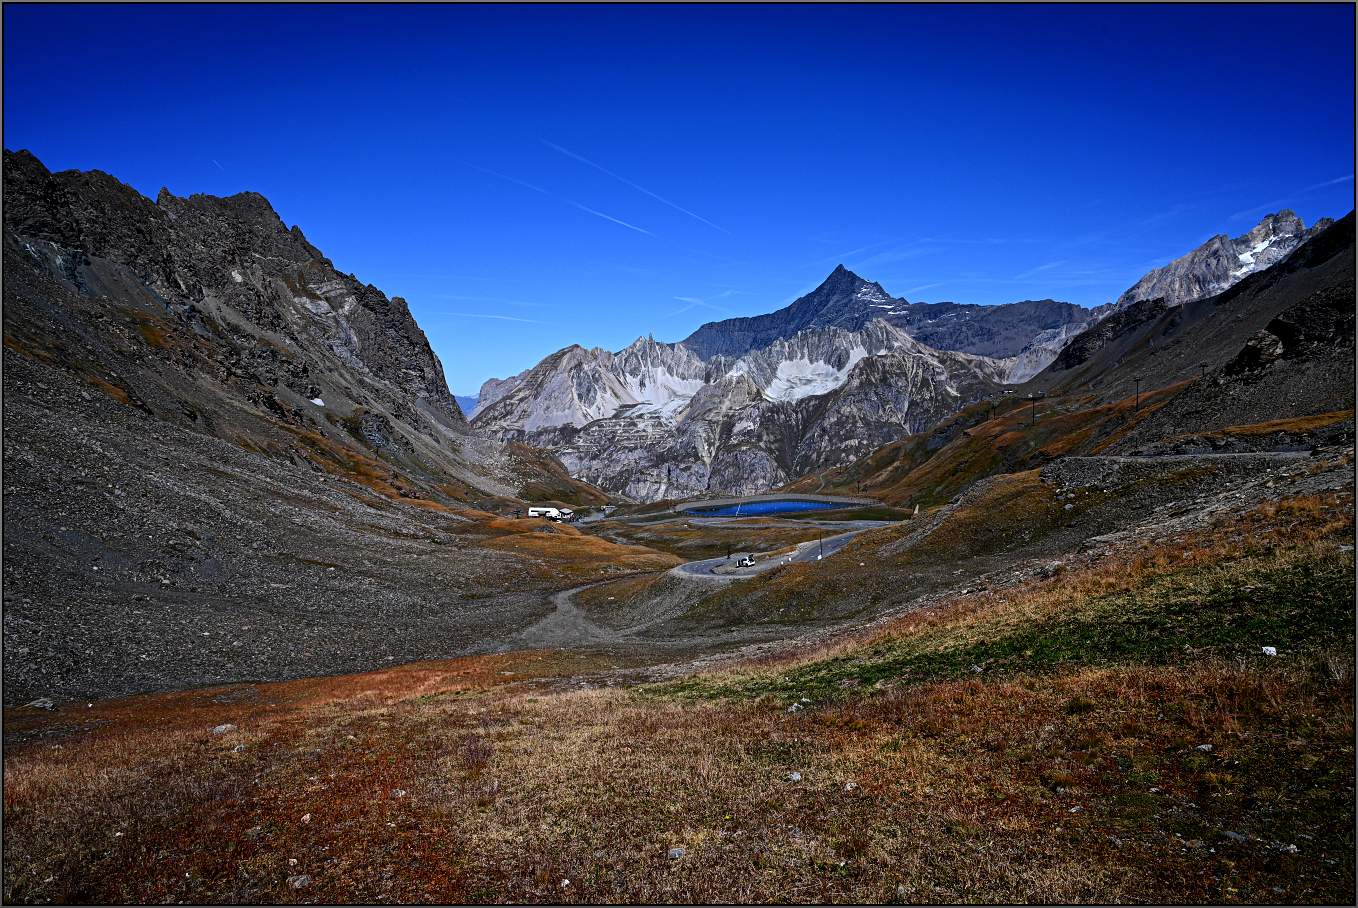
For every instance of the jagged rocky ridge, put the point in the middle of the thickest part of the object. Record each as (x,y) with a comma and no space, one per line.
(655,421)
(300,343)
(1222,262)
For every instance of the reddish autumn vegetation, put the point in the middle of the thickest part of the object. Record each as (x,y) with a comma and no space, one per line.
(1111,733)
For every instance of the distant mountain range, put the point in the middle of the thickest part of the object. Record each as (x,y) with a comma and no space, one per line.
(744,404)
(655,421)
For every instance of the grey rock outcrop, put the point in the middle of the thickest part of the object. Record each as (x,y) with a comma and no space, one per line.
(1222,262)
(492,389)
(295,341)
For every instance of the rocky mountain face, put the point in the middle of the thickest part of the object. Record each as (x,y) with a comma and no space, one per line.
(293,342)
(492,389)
(302,343)
(655,421)
(226,460)
(745,404)
(847,301)
(1221,262)
(1278,344)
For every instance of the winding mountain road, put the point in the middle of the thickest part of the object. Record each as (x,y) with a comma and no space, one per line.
(806,551)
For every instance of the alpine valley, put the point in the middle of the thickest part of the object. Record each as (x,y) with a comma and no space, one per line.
(271,634)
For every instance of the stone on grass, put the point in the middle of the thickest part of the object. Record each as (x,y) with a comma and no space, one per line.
(223,729)
(1270,651)
(851,786)
(306,818)
(300,881)
(42,703)
(1204,748)
(1234,836)
(238,748)
(794,777)
(677,853)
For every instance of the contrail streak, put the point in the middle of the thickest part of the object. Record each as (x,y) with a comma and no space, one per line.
(562,198)
(572,154)
(507,318)
(614,220)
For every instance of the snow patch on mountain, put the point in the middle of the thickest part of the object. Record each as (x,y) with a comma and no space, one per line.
(800,378)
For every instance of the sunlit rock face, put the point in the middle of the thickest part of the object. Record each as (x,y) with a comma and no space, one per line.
(654,421)
(1222,262)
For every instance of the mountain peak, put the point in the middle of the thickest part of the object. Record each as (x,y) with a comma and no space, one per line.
(840,277)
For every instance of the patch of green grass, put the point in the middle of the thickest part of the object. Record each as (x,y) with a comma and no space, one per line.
(1303,603)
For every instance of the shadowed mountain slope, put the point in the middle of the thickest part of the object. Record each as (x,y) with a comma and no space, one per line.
(847,301)
(225,460)
(1164,344)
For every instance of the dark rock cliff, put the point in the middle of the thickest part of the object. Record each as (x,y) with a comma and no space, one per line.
(229,260)
(847,301)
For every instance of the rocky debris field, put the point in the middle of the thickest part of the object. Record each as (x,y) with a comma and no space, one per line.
(145,557)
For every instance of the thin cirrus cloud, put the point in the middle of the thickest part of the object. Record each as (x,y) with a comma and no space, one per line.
(561,197)
(488,299)
(1276,205)
(919,288)
(506,318)
(1038,270)
(846,255)
(569,153)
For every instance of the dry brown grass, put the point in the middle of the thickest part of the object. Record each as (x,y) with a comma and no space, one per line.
(1290,426)
(695,541)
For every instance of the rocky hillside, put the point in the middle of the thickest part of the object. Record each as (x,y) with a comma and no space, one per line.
(1163,343)
(1265,367)
(225,459)
(305,345)
(655,421)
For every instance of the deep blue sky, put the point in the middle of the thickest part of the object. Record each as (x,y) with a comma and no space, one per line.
(736,154)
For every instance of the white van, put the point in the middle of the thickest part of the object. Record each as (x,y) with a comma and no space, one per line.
(557,514)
